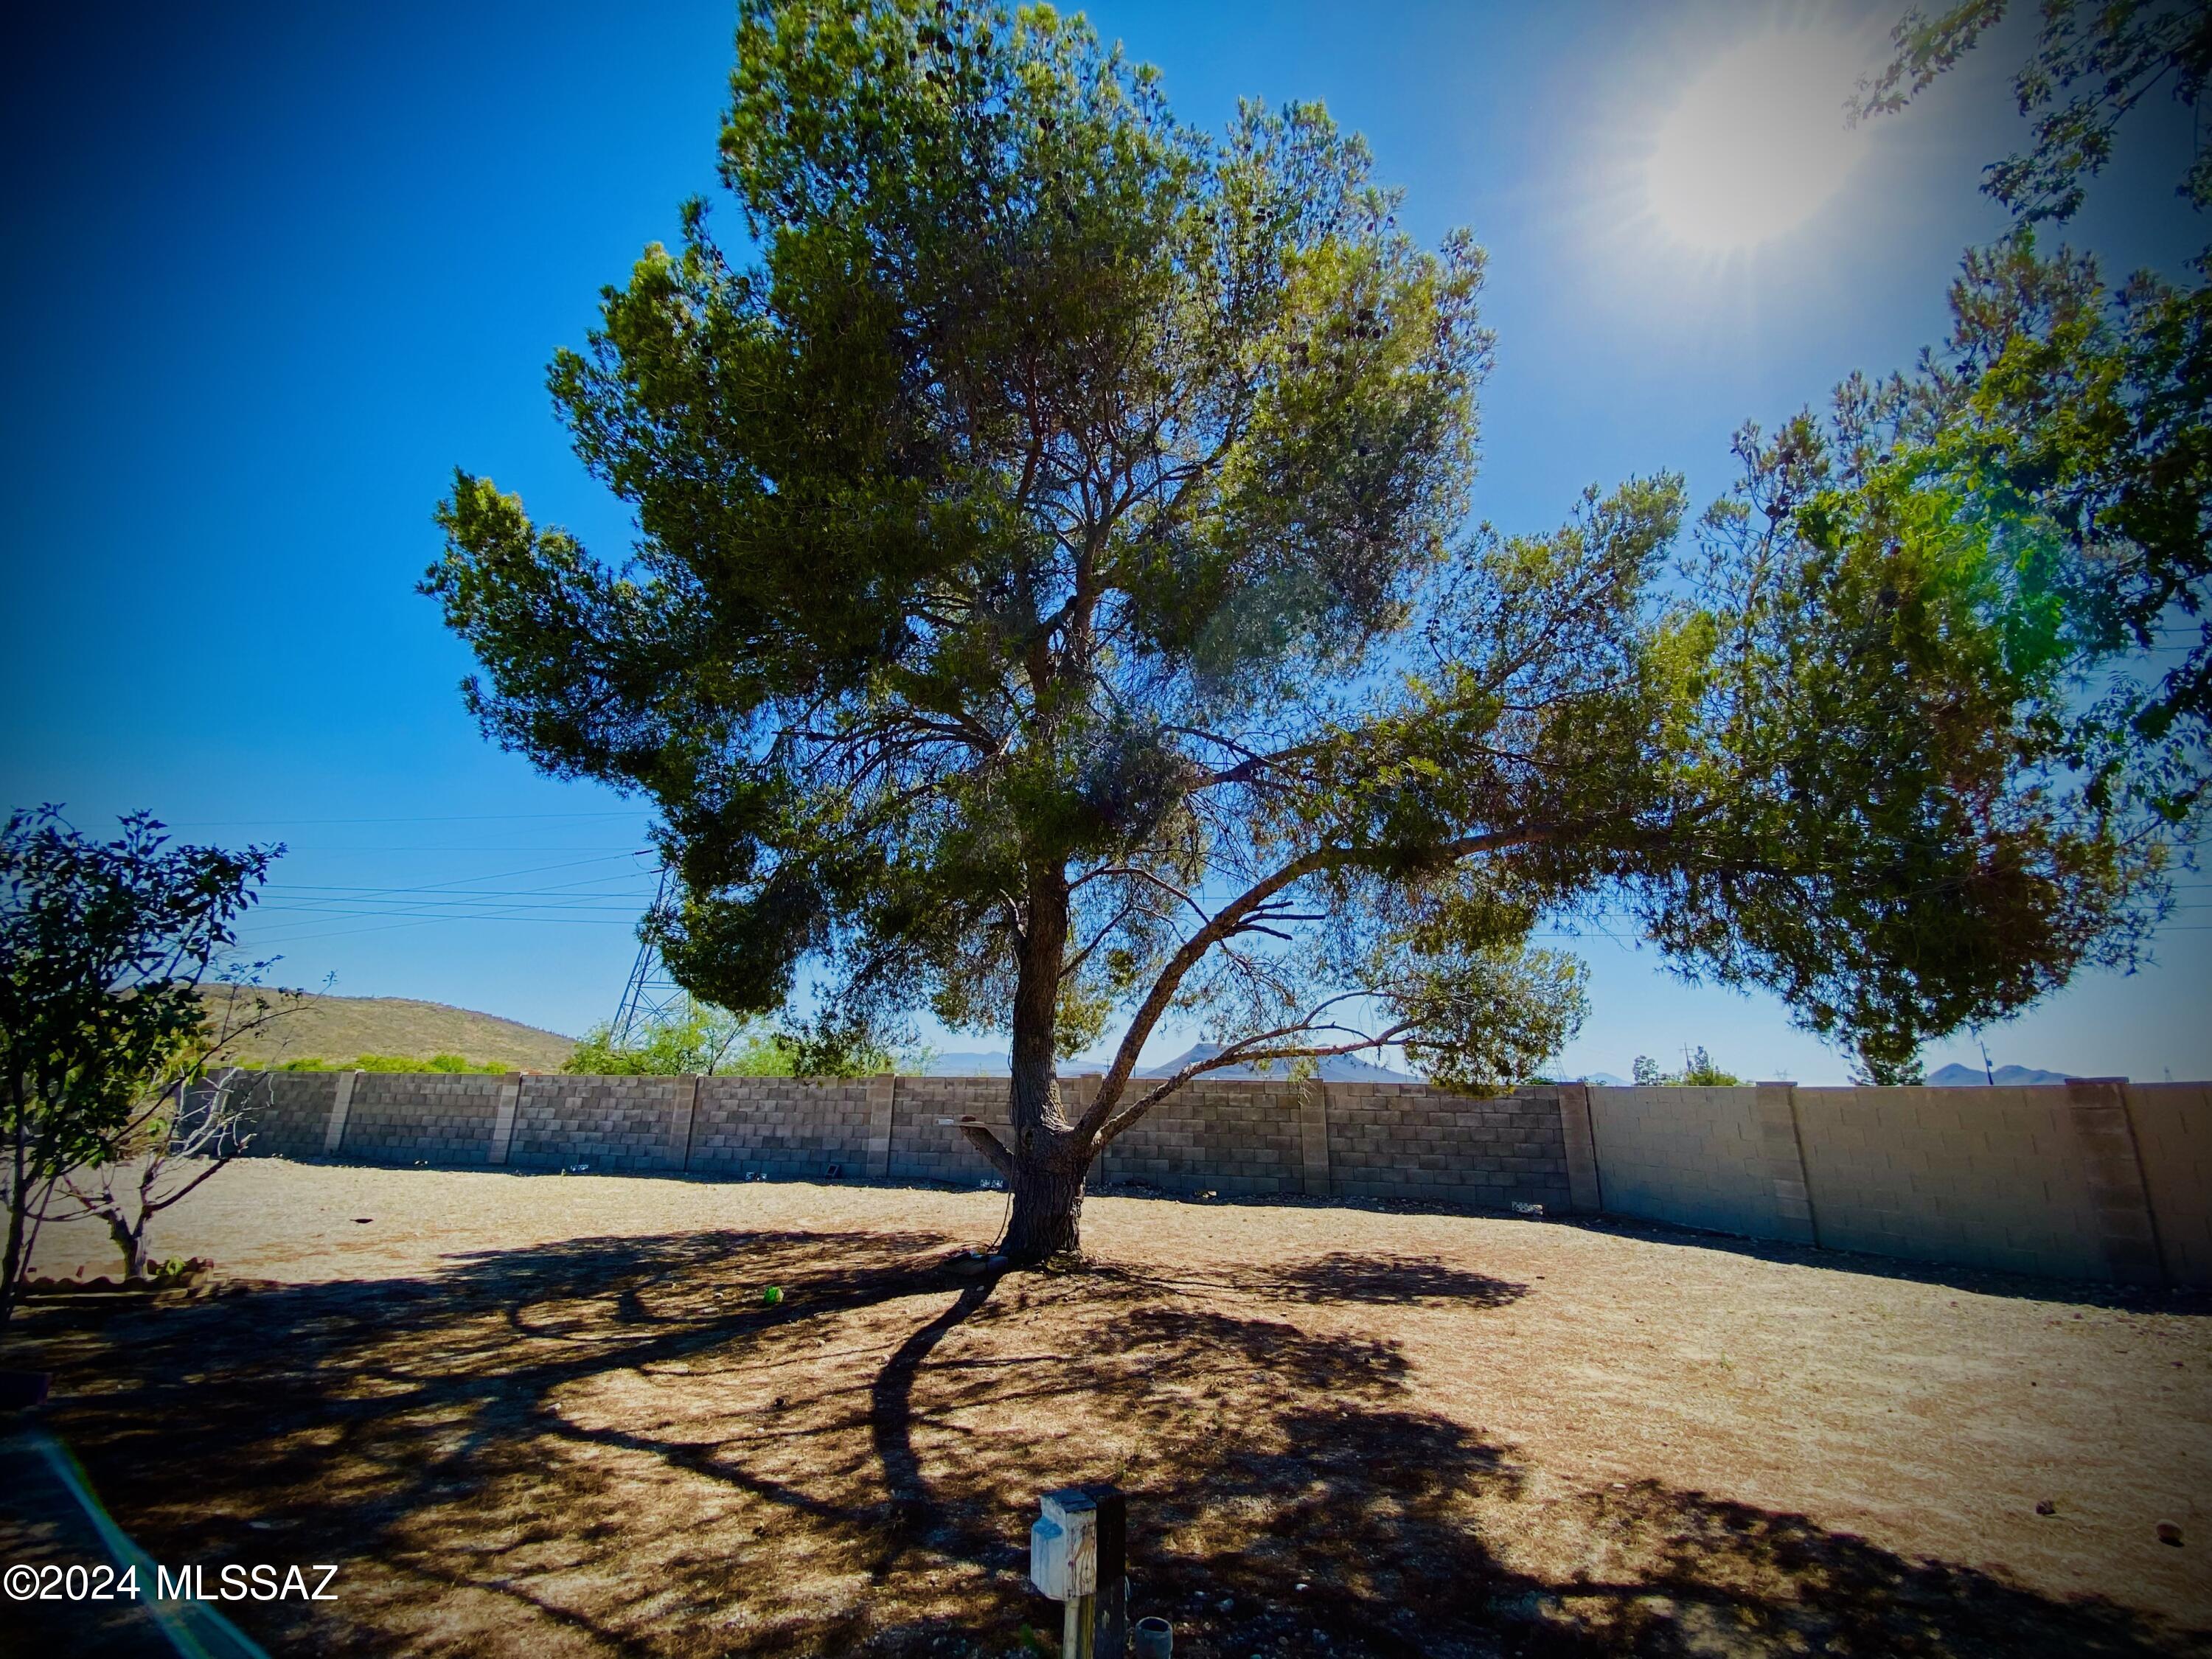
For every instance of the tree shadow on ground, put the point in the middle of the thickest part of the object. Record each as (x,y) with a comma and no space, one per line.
(1343,1276)
(615,1446)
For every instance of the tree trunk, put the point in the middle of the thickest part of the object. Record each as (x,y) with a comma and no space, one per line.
(1047,1219)
(19,1198)
(131,1241)
(11,1258)
(1048,1213)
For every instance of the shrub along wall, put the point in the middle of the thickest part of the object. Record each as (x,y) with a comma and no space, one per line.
(2094,1179)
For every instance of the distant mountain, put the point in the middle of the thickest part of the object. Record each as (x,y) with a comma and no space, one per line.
(1337,1068)
(1955,1076)
(968,1065)
(340,1027)
(1606,1080)
(974,1063)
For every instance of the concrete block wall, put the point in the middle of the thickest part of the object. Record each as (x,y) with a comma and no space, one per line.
(1698,1158)
(287,1112)
(2172,1124)
(923,1148)
(1249,1138)
(1977,1177)
(414,1117)
(784,1128)
(2090,1180)
(1410,1140)
(1238,1139)
(616,1125)
(2094,1180)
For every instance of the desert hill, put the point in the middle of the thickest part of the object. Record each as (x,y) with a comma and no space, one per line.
(1337,1068)
(339,1028)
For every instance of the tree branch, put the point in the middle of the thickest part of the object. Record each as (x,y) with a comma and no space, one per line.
(1242,1054)
(1228,920)
(988,1144)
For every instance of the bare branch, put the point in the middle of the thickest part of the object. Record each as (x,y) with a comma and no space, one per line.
(1228,920)
(1238,1054)
(985,1142)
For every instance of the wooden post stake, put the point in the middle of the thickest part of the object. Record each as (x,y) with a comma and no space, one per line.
(1078,1624)
(1079,1555)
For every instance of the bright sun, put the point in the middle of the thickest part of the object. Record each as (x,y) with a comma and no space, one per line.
(1756,145)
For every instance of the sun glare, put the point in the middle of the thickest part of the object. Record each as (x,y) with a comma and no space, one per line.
(1756,145)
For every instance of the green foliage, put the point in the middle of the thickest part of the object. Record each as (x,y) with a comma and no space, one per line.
(697,1039)
(447,1063)
(1901,841)
(103,947)
(1699,1072)
(2092,64)
(2081,414)
(2085,417)
(2044,483)
(709,1041)
(1054,604)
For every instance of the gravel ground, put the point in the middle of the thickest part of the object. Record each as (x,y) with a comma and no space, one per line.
(553,1415)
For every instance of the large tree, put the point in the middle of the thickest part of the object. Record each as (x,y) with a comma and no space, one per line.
(1054,604)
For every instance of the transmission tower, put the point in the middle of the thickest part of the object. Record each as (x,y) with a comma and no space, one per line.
(651,996)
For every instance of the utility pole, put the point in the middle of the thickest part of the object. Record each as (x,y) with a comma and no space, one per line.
(649,996)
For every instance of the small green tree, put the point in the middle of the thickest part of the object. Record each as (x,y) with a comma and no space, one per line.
(709,1041)
(193,1116)
(1054,604)
(1699,1072)
(103,950)
(695,1038)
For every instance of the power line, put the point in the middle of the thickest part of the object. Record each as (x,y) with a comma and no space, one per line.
(566,890)
(436,888)
(295,915)
(262,942)
(624,920)
(460,905)
(386,846)
(649,996)
(446,817)
(447,900)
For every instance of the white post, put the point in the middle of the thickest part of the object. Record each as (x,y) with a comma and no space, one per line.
(341,1107)
(502,1120)
(1077,1554)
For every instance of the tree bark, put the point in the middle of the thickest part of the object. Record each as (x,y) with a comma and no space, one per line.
(1048,1213)
(1050,1159)
(11,1261)
(131,1241)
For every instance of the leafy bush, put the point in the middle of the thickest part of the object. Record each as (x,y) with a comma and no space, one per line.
(447,1063)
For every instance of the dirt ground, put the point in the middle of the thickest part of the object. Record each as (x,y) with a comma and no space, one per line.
(547,1415)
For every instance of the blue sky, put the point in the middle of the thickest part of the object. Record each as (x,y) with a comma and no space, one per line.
(275,270)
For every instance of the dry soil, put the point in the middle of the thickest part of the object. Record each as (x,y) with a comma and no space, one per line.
(547,1415)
